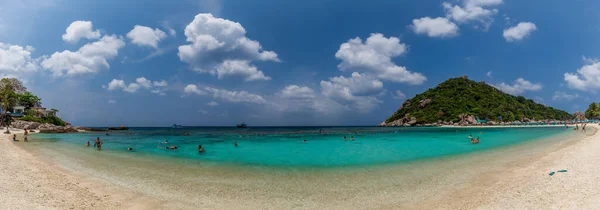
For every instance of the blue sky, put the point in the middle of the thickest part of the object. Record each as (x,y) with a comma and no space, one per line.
(273,62)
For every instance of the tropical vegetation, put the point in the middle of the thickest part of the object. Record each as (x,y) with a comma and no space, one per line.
(13,93)
(593,111)
(458,96)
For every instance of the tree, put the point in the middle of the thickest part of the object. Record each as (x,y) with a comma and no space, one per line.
(593,111)
(5,120)
(8,96)
(28,100)
(14,84)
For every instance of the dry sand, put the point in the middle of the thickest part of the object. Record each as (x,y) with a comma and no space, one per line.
(29,182)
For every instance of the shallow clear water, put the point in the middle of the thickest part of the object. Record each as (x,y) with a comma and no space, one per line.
(285,146)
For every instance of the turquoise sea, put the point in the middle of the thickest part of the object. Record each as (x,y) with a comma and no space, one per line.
(285,146)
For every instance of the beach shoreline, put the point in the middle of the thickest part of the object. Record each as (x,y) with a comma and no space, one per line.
(515,184)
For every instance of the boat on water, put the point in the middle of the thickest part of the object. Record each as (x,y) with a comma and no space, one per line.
(176,126)
(243,125)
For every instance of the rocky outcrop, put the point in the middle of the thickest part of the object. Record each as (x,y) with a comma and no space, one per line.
(120,128)
(465,119)
(424,102)
(407,120)
(91,129)
(43,127)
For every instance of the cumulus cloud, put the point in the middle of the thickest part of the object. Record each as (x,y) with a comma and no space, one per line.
(218,44)
(146,36)
(519,86)
(399,95)
(435,27)
(518,32)
(375,56)
(90,58)
(489,74)
(235,96)
(357,92)
(212,103)
(80,29)
(473,11)
(587,78)
(193,89)
(141,82)
(15,59)
(238,68)
(562,96)
(297,92)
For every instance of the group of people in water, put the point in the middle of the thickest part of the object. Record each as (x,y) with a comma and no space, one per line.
(14,139)
(582,127)
(474,140)
(97,144)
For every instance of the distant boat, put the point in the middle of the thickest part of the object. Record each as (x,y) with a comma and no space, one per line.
(176,126)
(243,125)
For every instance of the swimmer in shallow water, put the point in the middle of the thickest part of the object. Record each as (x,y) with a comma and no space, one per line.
(470,137)
(200,149)
(344,138)
(235,144)
(304,140)
(87,144)
(172,147)
(129,149)
(352,138)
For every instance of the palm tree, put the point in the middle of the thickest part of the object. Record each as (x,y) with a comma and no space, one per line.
(5,120)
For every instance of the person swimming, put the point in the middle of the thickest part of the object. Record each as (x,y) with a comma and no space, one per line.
(87,144)
(130,149)
(344,138)
(172,147)
(200,149)
(304,140)
(15,138)
(470,137)
(352,138)
(235,144)
(166,141)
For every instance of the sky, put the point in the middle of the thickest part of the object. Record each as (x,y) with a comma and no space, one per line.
(290,63)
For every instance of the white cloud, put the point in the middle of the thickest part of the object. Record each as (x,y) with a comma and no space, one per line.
(297,92)
(140,82)
(519,86)
(145,36)
(238,68)
(587,77)
(375,56)
(399,95)
(473,10)
(215,41)
(562,96)
(112,101)
(90,58)
(80,29)
(435,27)
(519,31)
(17,59)
(235,96)
(193,89)
(489,74)
(357,92)
(213,103)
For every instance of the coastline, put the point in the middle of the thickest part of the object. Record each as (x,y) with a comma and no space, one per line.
(494,183)
(29,182)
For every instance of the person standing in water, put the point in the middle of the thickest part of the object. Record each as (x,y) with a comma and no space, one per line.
(352,138)
(98,143)
(344,138)
(87,144)
(25,135)
(15,138)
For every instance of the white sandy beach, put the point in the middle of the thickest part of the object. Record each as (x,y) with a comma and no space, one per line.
(29,182)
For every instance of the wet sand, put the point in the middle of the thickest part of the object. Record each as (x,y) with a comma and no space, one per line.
(514,177)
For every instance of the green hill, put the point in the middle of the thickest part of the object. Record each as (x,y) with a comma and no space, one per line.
(458,96)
